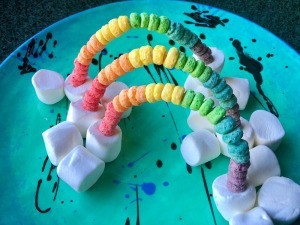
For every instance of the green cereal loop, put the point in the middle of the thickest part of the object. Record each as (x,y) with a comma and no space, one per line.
(220,86)
(188,98)
(197,101)
(178,32)
(135,20)
(153,22)
(187,35)
(233,137)
(181,61)
(172,28)
(144,20)
(163,25)
(212,81)
(189,65)
(206,74)
(229,103)
(206,107)
(193,41)
(225,94)
(216,115)
(226,125)
(198,69)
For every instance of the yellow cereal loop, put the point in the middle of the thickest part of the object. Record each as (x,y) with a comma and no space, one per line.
(114,27)
(158,90)
(166,94)
(100,37)
(146,54)
(150,93)
(159,54)
(134,58)
(106,33)
(172,57)
(124,24)
(177,95)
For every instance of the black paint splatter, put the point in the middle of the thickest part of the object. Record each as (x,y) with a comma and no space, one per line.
(255,68)
(204,19)
(173,146)
(48,179)
(159,163)
(231,58)
(208,194)
(35,49)
(208,165)
(171,42)
(202,36)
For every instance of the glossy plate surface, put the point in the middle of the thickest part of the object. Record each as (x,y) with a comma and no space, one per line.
(149,183)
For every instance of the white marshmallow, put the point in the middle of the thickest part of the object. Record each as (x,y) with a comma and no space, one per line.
(112,91)
(197,122)
(267,129)
(48,85)
(60,140)
(80,169)
(76,93)
(280,198)
(199,147)
(83,118)
(192,83)
(248,135)
(256,216)
(264,165)
(104,147)
(230,203)
(219,59)
(241,89)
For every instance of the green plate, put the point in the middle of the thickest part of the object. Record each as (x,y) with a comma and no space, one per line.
(149,183)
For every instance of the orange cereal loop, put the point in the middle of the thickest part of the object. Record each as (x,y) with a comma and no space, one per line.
(95,44)
(110,75)
(116,68)
(125,63)
(101,38)
(102,78)
(141,94)
(114,27)
(118,107)
(124,100)
(106,33)
(132,96)
(83,61)
(91,49)
(85,53)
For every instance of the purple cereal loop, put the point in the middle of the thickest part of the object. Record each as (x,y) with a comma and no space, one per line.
(237,176)
(207,54)
(236,189)
(233,166)
(234,112)
(209,60)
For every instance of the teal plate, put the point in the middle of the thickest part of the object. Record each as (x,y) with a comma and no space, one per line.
(149,183)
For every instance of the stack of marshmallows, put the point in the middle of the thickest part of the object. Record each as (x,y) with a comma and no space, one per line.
(278,199)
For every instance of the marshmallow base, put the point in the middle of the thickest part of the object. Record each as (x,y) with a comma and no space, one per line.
(197,122)
(83,118)
(80,169)
(231,203)
(199,147)
(241,90)
(267,129)
(76,93)
(104,147)
(49,86)
(256,216)
(264,165)
(60,140)
(219,59)
(280,198)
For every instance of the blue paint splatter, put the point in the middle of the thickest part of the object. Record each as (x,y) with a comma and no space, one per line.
(183,136)
(104,51)
(148,188)
(131,164)
(132,36)
(127,196)
(166,183)
(51,110)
